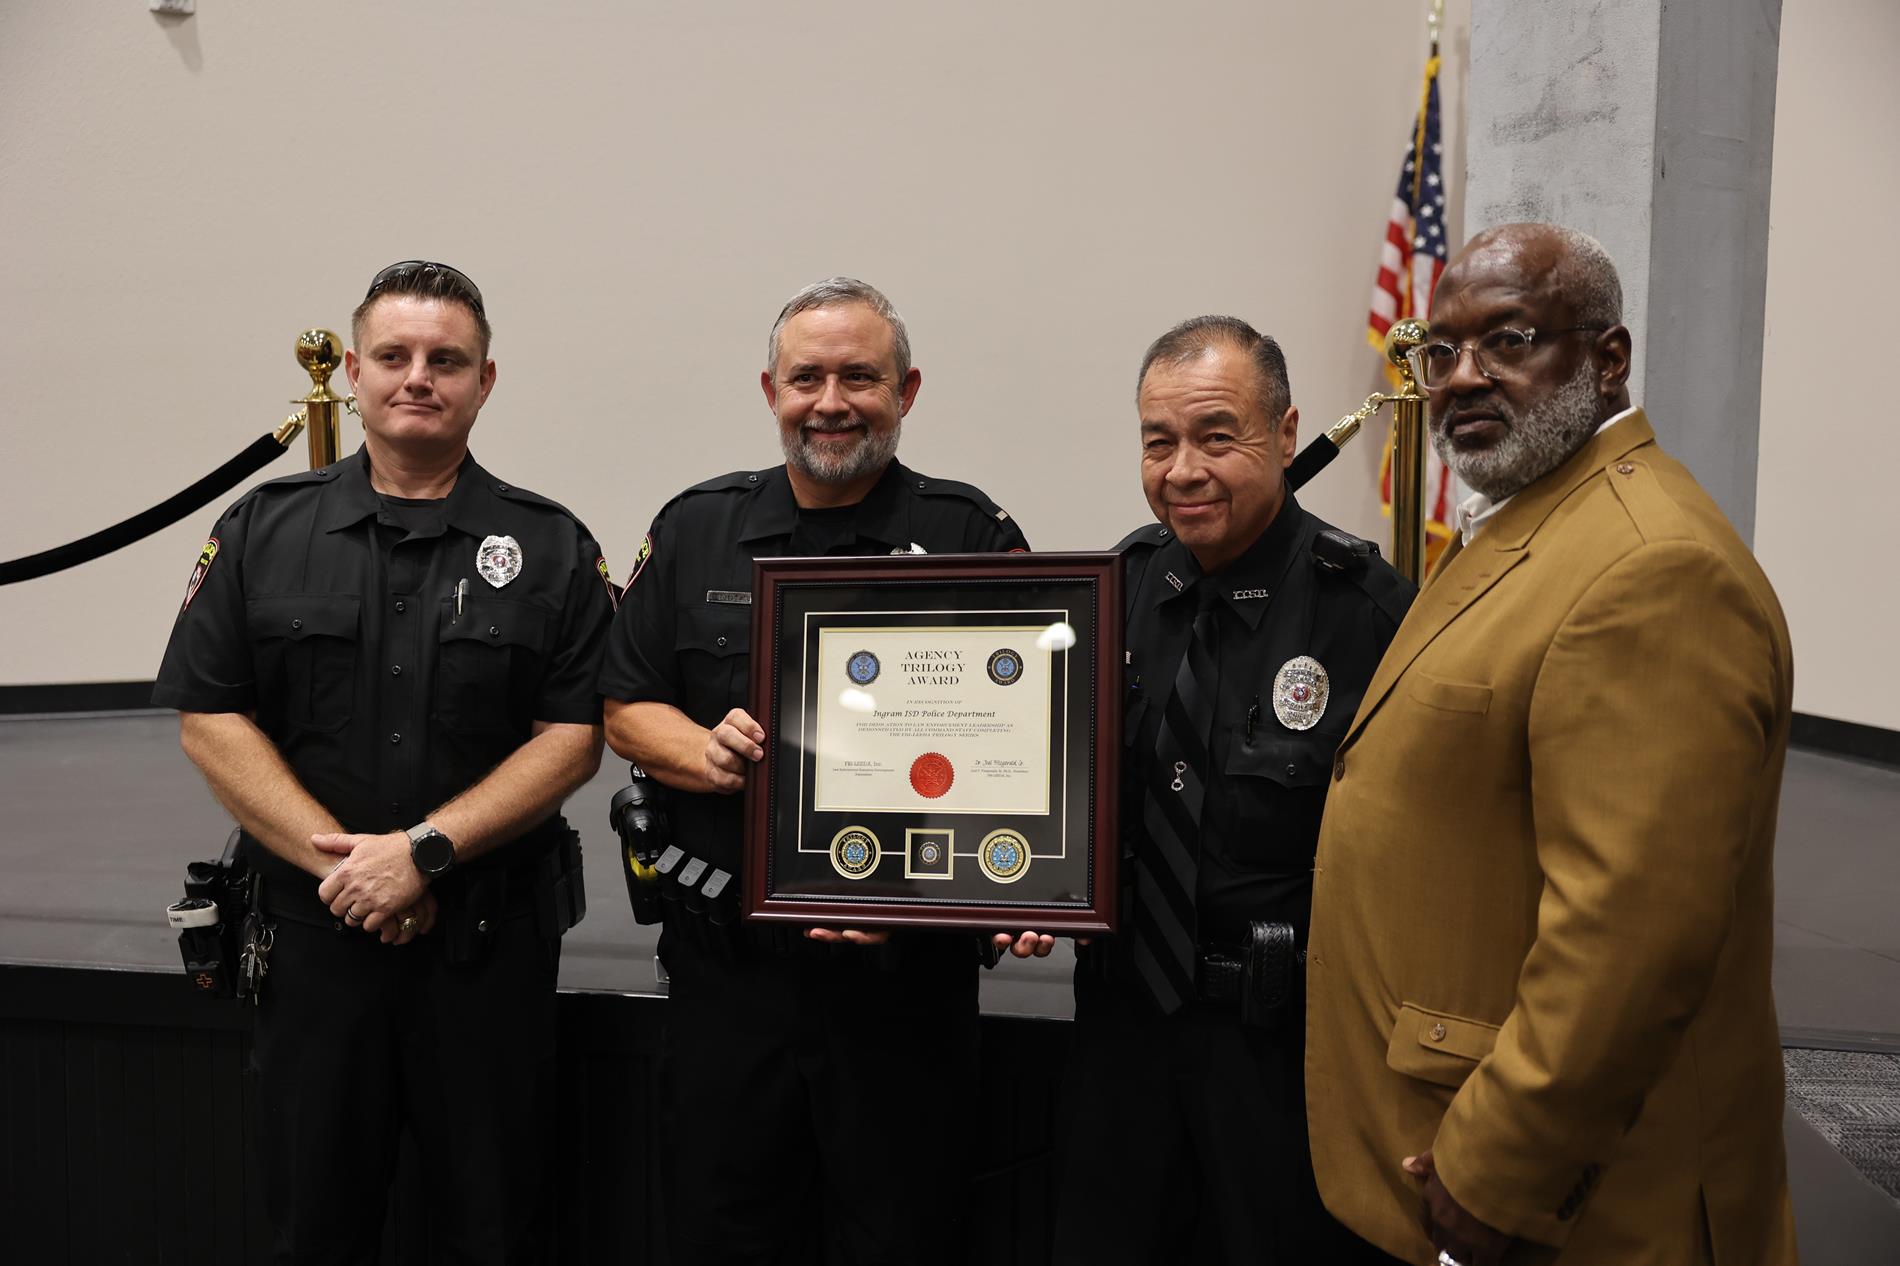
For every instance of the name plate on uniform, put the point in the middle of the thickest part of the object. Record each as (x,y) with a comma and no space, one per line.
(942,742)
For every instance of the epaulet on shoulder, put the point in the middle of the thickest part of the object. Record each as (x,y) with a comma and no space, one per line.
(509,492)
(1147,536)
(308,478)
(1652,511)
(1379,580)
(925,486)
(737,481)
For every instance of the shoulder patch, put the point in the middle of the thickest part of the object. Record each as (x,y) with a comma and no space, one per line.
(639,563)
(206,557)
(607,578)
(1652,510)
(1148,536)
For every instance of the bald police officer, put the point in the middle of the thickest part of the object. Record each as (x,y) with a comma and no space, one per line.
(786,1057)
(385,670)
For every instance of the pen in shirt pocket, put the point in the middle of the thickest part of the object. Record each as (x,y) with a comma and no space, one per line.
(461,597)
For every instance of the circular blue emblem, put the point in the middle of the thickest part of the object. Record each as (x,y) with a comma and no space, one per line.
(862,668)
(1004,856)
(854,852)
(1006,667)
(931,854)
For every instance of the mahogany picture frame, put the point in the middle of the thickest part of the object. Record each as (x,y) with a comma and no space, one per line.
(1071,892)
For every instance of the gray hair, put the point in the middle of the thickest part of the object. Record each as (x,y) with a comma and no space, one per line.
(1587,279)
(831,292)
(1198,334)
(1584,276)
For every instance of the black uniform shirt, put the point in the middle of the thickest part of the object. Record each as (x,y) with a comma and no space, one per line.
(684,631)
(329,612)
(1261,815)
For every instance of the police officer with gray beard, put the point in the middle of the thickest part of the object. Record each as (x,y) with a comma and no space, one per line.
(786,1058)
(1252,629)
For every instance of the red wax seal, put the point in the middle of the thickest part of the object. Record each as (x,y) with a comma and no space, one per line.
(931,775)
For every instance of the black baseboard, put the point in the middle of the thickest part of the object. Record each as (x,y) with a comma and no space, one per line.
(81,696)
(1846,738)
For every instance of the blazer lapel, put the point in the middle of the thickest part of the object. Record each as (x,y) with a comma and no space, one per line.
(1465,573)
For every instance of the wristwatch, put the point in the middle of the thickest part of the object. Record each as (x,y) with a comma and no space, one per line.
(431,851)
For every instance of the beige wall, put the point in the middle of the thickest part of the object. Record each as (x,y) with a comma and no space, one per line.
(1830,452)
(1041,188)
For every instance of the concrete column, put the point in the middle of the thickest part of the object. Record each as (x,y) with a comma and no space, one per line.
(1648,124)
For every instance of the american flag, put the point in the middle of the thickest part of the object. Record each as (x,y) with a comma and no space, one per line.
(1413,254)
(1410,261)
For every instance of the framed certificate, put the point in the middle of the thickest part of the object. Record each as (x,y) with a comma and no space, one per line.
(942,741)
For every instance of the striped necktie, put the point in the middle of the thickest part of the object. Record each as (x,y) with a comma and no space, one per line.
(1166,871)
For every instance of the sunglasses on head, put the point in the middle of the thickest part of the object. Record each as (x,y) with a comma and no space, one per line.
(410,269)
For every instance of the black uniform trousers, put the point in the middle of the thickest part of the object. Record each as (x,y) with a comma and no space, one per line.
(837,1053)
(356,1038)
(1185,1141)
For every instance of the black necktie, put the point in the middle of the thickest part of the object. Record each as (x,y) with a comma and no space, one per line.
(1165,872)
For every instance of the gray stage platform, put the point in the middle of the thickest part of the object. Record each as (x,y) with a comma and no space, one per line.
(102,812)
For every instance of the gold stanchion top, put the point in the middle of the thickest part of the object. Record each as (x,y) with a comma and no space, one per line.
(1399,342)
(319,352)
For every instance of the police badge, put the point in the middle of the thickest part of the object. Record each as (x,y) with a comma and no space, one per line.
(498,560)
(1299,693)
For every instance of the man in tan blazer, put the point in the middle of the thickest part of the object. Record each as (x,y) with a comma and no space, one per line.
(1540,1025)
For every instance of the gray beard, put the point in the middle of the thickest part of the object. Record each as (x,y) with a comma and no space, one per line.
(1533,445)
(871,454)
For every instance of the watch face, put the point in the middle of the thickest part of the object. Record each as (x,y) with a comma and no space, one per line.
(433,853)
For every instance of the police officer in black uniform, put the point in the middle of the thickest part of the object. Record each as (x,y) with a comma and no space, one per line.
(825,1073)
(386,673)
(1252,630)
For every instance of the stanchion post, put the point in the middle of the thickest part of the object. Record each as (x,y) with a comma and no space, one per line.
(320,352)
(1408,452)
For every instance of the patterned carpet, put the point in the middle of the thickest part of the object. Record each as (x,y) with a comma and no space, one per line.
(1852,1100)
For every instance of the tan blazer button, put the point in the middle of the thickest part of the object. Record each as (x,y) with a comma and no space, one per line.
(1625,468)
(1438,1033)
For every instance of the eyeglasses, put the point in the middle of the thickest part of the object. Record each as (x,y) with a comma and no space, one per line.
(1502,349)
(410,269)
